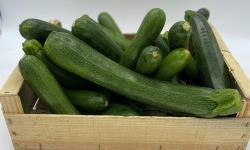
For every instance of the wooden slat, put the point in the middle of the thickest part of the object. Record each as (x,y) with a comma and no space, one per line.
(233,66)
(13,85)
(245,113)
(11,104)
(58,132)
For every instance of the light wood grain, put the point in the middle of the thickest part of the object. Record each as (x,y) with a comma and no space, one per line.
(129,133)
(11,104)
(233,66)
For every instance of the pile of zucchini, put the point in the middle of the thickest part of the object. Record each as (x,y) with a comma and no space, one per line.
(94,70)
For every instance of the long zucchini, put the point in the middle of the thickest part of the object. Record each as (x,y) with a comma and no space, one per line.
(91,65)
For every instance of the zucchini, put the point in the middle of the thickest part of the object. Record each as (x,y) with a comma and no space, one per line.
(90,32)
(191,69)
(163,45)
(174,63)
(89,101)
(165,36)
(116,109)
(149,60)
(107,21)
(45,86)
(178,35)
(212,68)
(188,14)
(204,12)
(65,78)
(31,47)
(148,31)
(38,29)
(95,67)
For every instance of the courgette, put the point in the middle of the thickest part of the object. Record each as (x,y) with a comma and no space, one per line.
(148,31)
(116,109)
(204,12)
(188,14)
(38,29)
(178,35)
(172,64)
(191,70)
(65,78)
(149,60)
(45,86)
(90,32)
(78,57)
(89,101)
(163,45)
(212,68)
(165,36)
(107,21)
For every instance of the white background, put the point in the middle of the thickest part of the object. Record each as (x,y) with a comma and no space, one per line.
(230,17)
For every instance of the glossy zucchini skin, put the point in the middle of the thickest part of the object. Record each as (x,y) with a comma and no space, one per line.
(172,64)
(148,31)
(204,12)
(38,29)
(89,101)
(45,86)
(163,45)
(149,60)
(95,67)
(212,68)
(178,35)
(107,21)
(65,78)
(116,109)
(90,32)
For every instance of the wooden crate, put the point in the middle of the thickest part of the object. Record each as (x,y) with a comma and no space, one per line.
(35,130)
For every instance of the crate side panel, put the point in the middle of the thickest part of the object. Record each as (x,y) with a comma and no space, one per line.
(79,132)
(11,104)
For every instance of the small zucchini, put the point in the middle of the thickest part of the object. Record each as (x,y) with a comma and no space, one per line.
(172,64)
(89,101)
(116,109)
(163,45)
(148,31)
(45,86)
(149,60)
(90,32)
(178,35)
(38,29)
(107,21)
(212,68)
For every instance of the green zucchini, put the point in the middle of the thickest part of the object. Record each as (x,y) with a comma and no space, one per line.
(116,109)
(191,70)
(89,101)
(188,14)
(178,35)
(95,67)
(212,68)
(172,64)
(31,47)
(45,86)
(149,60)
(165,36)
(107,21)
(90,32)
(163,45)
(204,12)
(38,29)
(148,31)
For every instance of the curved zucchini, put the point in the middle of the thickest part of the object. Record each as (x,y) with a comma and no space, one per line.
(150,28)
(107,21)
(89,101)
(90,32)
(212,68)
(38,29)
(91,65)
(116,109)
(174,63)
(45,86)
(178,35)
(163,45)
(149,60)
(204,12)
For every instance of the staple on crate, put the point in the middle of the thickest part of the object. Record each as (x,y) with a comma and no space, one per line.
(34,108)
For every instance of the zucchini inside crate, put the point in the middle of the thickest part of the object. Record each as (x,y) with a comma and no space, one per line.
(37,129)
